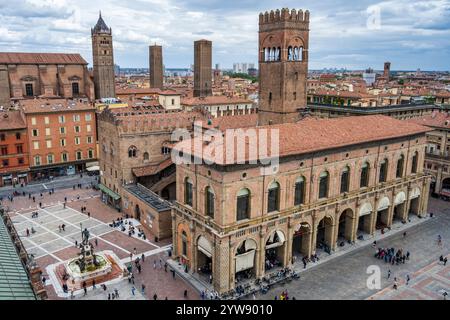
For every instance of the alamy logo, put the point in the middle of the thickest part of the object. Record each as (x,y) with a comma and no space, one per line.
(374,280)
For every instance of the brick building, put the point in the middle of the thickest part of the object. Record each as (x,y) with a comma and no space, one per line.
(336,181)
(14,156)
(45,75)
(156,67)
(62,135)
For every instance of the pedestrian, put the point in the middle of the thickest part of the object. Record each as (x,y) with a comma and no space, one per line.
(96,242)
(34,199)
(139,268)
(133,289)
(116,292)
(135,251)
(155,297)
(84,288)
(93,284)
(165,266)
(389,274)
(404,234)
(28,232)
(254,296)
(76,243)
(173,273)
(40,204)
(131,255)
(304,263)
(202,295)
(89,214)
(154,264)
(113,296)
(407,279)
(143,258)
(395,284)
(407,255)
(445,294)
(160,264)
(143,288)
(210,279)
(445,261)
(59,228)
(185,293)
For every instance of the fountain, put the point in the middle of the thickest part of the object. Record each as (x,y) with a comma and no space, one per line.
(88,265)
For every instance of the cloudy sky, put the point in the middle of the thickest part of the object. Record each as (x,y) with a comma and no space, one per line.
(354,34)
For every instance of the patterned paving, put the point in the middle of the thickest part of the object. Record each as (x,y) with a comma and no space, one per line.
(428,283)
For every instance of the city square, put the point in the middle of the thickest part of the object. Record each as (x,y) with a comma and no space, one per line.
(187,151)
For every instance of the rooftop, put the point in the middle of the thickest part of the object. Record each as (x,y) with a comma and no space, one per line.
(12,120)
(41,58)
(14,282)
(213,100)
(54,105)
(435,120)
(149,197)
(310,135)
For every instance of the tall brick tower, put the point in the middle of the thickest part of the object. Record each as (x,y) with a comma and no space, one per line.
(202,68)
(103,58)
(387,70)
(156,67)
(283,65)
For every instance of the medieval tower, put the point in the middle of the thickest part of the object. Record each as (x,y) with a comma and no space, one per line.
(103,58)
(202,68)
(156,67)
(283,65)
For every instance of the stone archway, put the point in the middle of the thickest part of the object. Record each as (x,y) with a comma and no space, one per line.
(382,217)
(345,227)
(275,250)
(399,207)
(324,234)
(245,260)
(365,218)
(301,240)
(414,202)
(204,253)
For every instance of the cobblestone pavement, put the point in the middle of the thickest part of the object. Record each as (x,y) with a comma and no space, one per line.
(51,246)
(345,276)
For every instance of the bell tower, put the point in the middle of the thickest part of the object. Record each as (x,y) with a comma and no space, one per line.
(283,65)
(103,60)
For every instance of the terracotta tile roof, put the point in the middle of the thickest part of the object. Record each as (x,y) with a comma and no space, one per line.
(435,120)
(41,58)
(53,105)
(312,135)
(138,91)
(233,122)
(213,100)
(11,120)
(152,169)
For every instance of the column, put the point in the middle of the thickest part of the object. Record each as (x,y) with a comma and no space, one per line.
(174,234)
(193,248)
(222,278)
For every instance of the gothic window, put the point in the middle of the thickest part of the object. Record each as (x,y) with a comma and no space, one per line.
(278,54)
(266,54)
(146,156)
(243,205)
(132,152)
(300,54)
(295,54)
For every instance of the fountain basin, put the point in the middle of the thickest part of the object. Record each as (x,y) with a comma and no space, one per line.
(91,272)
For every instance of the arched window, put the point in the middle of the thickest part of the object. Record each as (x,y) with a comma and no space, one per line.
(415,160)
(300,54)
(146,156)
(323,184)
(188,191)
(345,180)
(132,152)
(273,199)
(364,181)
(400,165)
(274,52)
(295,53)
(278,54)
(209,202)
(299,197)
(383,170)
(266,54)
(243,205)
(290,54)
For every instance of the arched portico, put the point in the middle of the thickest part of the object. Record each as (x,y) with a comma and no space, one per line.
(325,234)
(414,202)
(365,220)
(345,227)
(399,214)
(245,260)
(382,216)
(302,240)
(204,256)
(275,250)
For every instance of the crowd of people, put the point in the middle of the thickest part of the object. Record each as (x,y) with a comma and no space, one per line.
(392,256)
(126,225)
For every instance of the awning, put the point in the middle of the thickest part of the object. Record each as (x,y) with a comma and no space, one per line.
(400,198)
(109,192)
(415,193)
(91,164)
(245,261)
(204,246)
(383,204)
(366,209)
(280,240)
(250,245)
(93,168)
(445,192)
